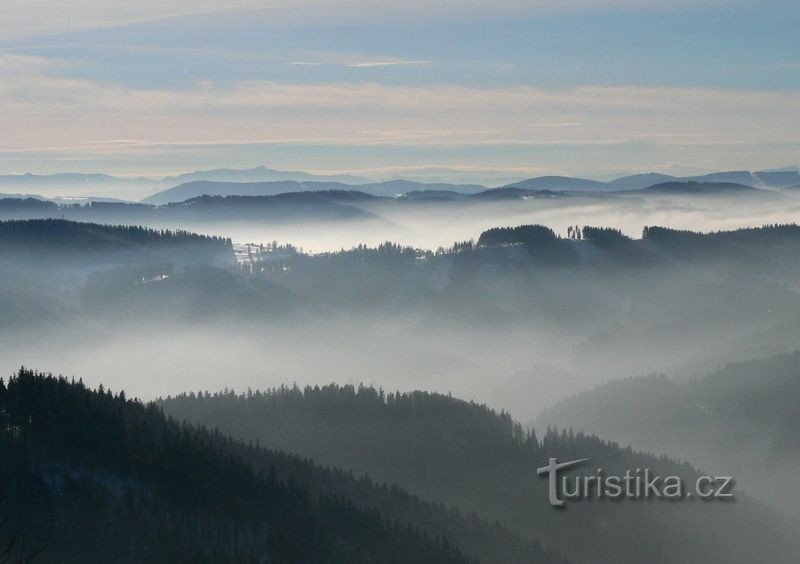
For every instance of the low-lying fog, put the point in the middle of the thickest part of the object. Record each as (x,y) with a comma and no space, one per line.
(430,225)
(519,368)
(521,344)
(517,371)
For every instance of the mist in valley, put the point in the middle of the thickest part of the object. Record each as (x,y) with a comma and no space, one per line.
(509,326)
(514,305)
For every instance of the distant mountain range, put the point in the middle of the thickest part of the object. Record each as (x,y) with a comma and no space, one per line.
(390,188)
(260,174)
(227,181)
(104,187)
(676,188)
(692,187)
(321,205)
(286,202)
(516,193)
(67,179)
(761,179)
(535,187)
(256,174)
(559,183)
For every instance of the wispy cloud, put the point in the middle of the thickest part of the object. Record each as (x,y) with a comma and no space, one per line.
(369,64)
(349,62)
(556,124)
(47,109)
(25,18)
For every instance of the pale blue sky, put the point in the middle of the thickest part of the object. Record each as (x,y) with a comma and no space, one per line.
(594,87)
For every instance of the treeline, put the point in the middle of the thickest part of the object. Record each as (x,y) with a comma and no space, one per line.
(540,234)
(293,206)
(293,401)
(364,255)
(545,245)
(522,235)
(50,242)
(770,232)
(11,205)
(741,418)
(92,476)
(753,401)
(468,456)
(531,272)
(60,234)
(389,276)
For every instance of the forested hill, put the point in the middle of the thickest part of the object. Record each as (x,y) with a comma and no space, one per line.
(530,272)
(743,417)
(468,456)
(62,237)
(12,205)
(702,188)
(327,205)
(717,407)
(88,474)
(777,234)
(540,234)
(607,243)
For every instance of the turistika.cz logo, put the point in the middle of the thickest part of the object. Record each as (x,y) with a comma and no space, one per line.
(634,484)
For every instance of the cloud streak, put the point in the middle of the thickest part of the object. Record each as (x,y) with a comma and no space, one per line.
(371,64)
(357,62)
(25,18)
(45,109)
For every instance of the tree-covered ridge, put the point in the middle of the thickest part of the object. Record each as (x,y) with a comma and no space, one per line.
(598,234)
(530,268)
(544,242)
(61,272)
(397,276)
(10,205)
(57,243)
(334,401)
(589,244)
(759,393)
(194,292)
(540,234)
(524,235)
(774,233)
(96,475)
(753,246)
(334,205)
(58,234)
(702,188)
(469,456)
(297,197)
(742,416)
(388,275)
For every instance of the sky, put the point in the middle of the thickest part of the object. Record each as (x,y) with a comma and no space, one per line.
(472,88)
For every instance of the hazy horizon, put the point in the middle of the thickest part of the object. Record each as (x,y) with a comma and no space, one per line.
(504,90)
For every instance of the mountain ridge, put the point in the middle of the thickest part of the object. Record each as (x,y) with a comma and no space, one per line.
(469,456)
(170,492)
(771,178)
